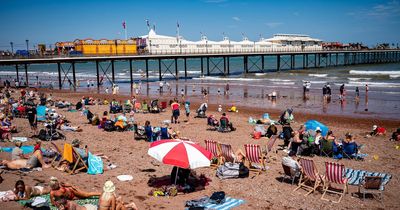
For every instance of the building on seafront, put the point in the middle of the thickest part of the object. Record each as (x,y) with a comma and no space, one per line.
(161,44)
(99,47)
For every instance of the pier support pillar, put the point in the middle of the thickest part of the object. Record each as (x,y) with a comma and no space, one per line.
(59,75)
(278,62)
(130,73)
(16,68)
(262,62)
(227,64)
(208,66)
(337,59)
(185,66)
(306,66)
(291,61)
(147,68)
(73,75)
(224,65)
(201,67)
(176,69)
(97,75)
(26,74)
(245,64)
(159,70)
(112,71)
(315,60)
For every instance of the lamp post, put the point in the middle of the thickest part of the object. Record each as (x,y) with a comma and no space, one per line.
(12,48)
(27,45)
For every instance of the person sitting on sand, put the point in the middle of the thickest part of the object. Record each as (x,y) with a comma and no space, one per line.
(6,123)
(395,135)
(25,192)
(148,131)
(5,133)
(228,123)
(289,161)
(109,201)
(64,204)
(35,160)
(64,190)
(17,152)
(378,131)
(272,130)
(330,136)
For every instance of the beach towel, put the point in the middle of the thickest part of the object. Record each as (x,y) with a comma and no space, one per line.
(228,204)
(21,139)
(81,202)
(356,176)
(7,196)
(41,113)
(26,149)
(95,164)
(67,155)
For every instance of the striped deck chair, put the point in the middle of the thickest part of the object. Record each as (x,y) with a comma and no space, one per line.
(271,151)
(334,174)
(214,147)
(254,155)
(227,154)
(310,179)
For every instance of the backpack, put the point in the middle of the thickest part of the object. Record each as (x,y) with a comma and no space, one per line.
(218,197)
(42,134)
(109,126)
(228,170)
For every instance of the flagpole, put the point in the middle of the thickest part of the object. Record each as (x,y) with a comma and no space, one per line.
(126,33)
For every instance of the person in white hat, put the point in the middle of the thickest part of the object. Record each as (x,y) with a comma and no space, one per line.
(108,199)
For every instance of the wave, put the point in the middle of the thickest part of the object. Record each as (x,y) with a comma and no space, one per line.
(284,83)
(227,79)
(357,79)
(372,84)
(280,80)
(360,72)
(318,75)
(394,76)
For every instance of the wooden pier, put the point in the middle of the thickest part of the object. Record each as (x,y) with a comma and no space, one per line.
(252,62)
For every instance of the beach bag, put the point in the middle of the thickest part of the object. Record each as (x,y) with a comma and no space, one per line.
(42,134)
(228,171)
(256,135)
(243,171)
(109,126)
(95,164)
(218,197)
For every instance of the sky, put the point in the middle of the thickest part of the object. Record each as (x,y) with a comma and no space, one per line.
(49,21)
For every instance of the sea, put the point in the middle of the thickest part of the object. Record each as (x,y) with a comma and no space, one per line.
(382,101)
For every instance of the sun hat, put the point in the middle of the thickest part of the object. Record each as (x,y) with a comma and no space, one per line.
(109,187)
(75,142)
(374,127)
(317,129)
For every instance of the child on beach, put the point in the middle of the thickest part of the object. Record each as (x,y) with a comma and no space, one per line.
(175,111)
(187,110)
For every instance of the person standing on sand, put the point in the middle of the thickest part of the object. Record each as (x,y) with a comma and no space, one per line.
(32,118)
(341,89)
(187,110)
(357,93)
(366,89)
(227,88)
(161,86)
(182,94)
(107,90)
(175,111)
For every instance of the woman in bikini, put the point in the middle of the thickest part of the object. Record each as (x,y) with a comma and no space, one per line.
(67,191)
(109,201)
(24,192)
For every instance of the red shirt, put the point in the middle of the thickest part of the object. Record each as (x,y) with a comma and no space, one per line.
(175,106)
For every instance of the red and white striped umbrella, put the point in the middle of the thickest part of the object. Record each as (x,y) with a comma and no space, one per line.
(183,154)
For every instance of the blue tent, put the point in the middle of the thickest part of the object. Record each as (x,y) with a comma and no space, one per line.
(313,124)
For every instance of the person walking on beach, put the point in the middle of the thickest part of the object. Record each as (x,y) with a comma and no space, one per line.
(88,83)
(175,111)
(31,114)
(366,89)
(341,89)
(182,94)
(324,92)
(107,90)
(357,93)
(227,88)
(187,110)
(161,86)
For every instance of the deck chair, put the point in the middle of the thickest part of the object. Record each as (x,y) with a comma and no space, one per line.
(288,174)
(58,157)
(334,174)
(310,179)
(72,156)
(326,148)
(254,155)
(214,147)
(270,150)
(227,154)
(371,185)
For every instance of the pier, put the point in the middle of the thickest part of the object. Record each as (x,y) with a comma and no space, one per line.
(218,63)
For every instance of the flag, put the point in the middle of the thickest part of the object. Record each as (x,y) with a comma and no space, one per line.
(147,22)
(177,24)
(124,24)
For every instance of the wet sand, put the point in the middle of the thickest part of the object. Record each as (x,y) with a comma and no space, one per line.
(261,192)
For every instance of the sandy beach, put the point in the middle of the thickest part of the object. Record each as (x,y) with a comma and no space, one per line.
(261,192)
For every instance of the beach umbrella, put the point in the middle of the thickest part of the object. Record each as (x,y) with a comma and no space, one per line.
(183,154)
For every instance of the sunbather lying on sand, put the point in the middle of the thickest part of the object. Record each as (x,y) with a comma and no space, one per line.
(59,190)
(24,192)
(64,204)
(35,160)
